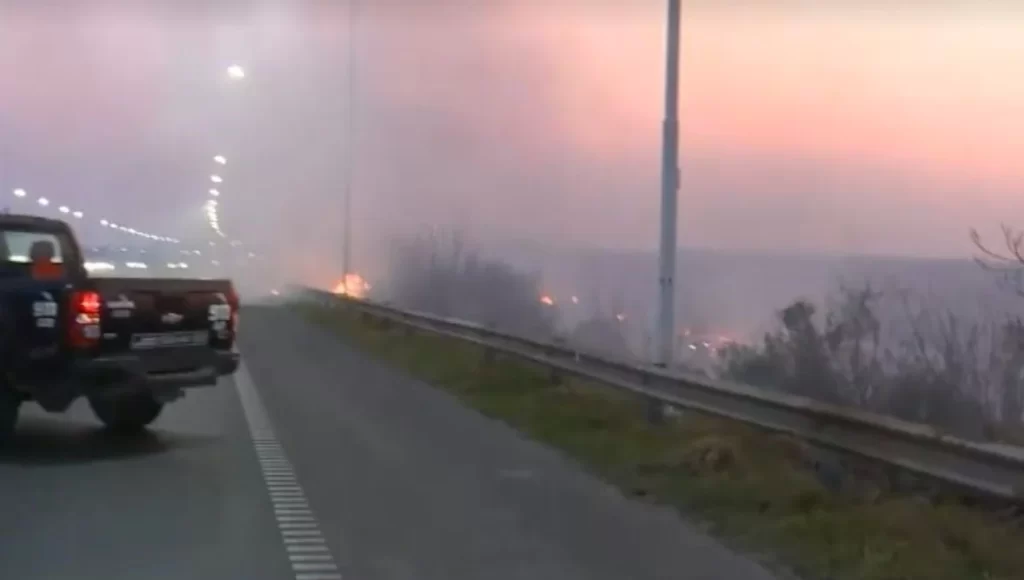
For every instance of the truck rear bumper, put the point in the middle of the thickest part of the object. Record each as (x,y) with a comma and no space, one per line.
(172,371)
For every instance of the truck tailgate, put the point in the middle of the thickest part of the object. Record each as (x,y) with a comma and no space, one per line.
(157,315)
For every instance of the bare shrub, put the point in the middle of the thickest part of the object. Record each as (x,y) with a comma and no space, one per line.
(439,273)
(602,335)
(930,366)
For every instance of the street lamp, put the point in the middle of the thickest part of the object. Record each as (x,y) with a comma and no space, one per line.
(220,159)
(669,193)
(236,72)
(214,192)
(346,259)
(216,179)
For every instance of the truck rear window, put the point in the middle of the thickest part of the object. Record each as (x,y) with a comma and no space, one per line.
(18,246)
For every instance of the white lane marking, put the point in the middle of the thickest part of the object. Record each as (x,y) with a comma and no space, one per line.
(306,548)
(314,566)
(317,540)
(308,554)
(309,557)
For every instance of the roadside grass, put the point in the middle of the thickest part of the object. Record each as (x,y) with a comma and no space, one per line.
(752,489)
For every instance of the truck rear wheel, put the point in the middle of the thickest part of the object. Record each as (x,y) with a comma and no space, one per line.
(127,414)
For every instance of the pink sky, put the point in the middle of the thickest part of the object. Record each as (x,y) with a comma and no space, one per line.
(837,130)
(937,96)
(840,129)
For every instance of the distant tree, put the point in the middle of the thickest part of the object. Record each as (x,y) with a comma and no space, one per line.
(1007,263)
(602,331)
(437,272)
(601,335)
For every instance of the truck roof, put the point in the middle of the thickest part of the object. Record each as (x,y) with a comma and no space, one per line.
(33,221)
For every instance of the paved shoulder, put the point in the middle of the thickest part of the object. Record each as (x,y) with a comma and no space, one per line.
(408,484)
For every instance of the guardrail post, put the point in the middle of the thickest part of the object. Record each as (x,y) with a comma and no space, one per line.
(655,410)
(554,375)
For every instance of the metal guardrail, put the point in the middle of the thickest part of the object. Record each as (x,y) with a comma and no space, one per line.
(991,469)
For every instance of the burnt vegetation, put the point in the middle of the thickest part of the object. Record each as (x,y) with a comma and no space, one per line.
(925,364)
(887,351)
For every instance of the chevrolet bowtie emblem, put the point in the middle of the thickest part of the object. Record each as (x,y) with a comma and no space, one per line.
(171,318)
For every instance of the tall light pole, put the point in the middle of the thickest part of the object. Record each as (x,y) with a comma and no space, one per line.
(665,335)
(346,260)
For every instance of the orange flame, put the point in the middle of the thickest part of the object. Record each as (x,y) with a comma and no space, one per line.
(352,285)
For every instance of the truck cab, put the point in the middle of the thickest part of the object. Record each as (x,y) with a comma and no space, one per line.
(129,345)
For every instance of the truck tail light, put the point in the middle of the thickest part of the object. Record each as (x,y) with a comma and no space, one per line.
(84,327)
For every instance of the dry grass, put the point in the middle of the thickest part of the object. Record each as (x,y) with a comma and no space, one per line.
(753,489)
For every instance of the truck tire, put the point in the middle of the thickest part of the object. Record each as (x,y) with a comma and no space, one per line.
(126,414)
(10,399)
(10,404)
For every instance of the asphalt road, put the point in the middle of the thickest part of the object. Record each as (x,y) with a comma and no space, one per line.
(316,463)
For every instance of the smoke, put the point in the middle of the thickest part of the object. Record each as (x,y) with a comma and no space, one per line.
(532,126)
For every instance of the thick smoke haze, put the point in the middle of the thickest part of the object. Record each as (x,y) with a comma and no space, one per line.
(532,126)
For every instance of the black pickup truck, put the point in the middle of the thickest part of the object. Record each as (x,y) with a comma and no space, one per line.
(129,345)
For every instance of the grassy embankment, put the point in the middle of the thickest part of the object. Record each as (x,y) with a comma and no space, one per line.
(754,490)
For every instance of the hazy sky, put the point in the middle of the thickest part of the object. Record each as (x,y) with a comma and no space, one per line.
(864,128)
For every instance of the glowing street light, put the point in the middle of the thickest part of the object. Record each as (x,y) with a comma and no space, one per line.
(78,214)
(216,179)
(214,193)
(236,72)
(220,159)
(44,202)
(19,192)
(64,209)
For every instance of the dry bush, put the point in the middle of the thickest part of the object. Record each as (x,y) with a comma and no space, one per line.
(931,366)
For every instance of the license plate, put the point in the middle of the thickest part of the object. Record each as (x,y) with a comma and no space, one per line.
(170,339)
